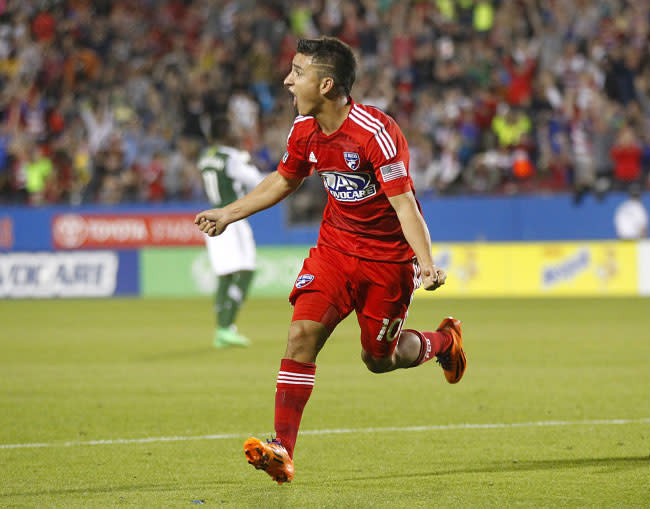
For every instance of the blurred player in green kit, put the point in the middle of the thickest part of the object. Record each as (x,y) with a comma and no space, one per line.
(228,174)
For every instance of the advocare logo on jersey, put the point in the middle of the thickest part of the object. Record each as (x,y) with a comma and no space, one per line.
(348,187)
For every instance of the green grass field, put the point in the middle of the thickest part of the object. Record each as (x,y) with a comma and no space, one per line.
(124,402)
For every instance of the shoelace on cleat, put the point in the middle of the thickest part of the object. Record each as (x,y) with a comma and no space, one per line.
(276,442)
(444,359)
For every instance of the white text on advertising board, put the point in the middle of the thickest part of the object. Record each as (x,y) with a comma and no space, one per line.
(80,274)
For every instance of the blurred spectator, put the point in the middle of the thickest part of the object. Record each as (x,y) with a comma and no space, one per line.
(99,125)
(521,67)
(631,217)
(510,125)
(243,115)
(626,154)
(444,172)
(38,171)
(152,175)
(483,16)
(421,163)
(483,174)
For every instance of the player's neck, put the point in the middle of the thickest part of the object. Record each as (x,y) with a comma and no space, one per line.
(332,115)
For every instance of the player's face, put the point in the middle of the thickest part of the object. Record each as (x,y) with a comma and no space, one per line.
(304,84)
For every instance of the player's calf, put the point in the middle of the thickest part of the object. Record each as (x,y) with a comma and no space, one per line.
(379,364)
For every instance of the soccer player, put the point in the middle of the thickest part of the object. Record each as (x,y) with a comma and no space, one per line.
(227,173)
(373,248)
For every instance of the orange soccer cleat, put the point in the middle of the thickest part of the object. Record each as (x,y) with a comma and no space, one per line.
(271,457)
(453,359)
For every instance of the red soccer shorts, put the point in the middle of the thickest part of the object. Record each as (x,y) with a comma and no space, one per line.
(331,284)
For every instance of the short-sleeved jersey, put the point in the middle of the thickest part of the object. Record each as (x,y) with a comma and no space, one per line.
(363,162)
(227,174)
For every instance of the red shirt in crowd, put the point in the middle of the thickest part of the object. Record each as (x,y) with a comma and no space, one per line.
(521,81)
(627,162)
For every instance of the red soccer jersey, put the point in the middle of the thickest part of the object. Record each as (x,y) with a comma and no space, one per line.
(360,164)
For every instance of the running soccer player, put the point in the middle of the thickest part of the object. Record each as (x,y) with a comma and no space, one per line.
(373,249)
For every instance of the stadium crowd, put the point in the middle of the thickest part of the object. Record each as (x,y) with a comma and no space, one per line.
(110,101)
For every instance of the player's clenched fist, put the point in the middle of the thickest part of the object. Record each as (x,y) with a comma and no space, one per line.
(211,222)
(433,277)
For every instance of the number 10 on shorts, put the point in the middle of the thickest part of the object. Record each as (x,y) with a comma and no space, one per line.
(389,330)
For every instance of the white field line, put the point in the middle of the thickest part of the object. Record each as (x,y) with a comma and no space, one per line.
(392,429)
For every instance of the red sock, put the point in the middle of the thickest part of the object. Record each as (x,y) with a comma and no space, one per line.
(295,383)
(432,343)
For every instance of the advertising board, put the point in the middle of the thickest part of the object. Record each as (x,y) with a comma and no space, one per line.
(187,271)
(124,231)
(69,275)
(538,268)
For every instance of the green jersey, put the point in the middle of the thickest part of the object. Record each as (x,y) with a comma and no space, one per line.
(227,174)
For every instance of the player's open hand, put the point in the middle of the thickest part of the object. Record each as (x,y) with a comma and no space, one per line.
(433,277)
(211,222)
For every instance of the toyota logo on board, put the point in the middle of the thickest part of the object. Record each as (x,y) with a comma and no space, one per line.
(69,231)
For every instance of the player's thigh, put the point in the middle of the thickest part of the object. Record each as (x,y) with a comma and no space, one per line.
(321,292)
(383,305)
(231,251)
(246,244)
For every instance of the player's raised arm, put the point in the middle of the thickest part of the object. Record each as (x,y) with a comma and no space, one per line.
(270,191)
(417,235)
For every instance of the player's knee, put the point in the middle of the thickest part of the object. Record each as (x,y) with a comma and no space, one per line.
(376,364)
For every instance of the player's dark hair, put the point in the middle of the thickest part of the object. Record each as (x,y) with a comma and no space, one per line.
(335,58)
(220,129)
